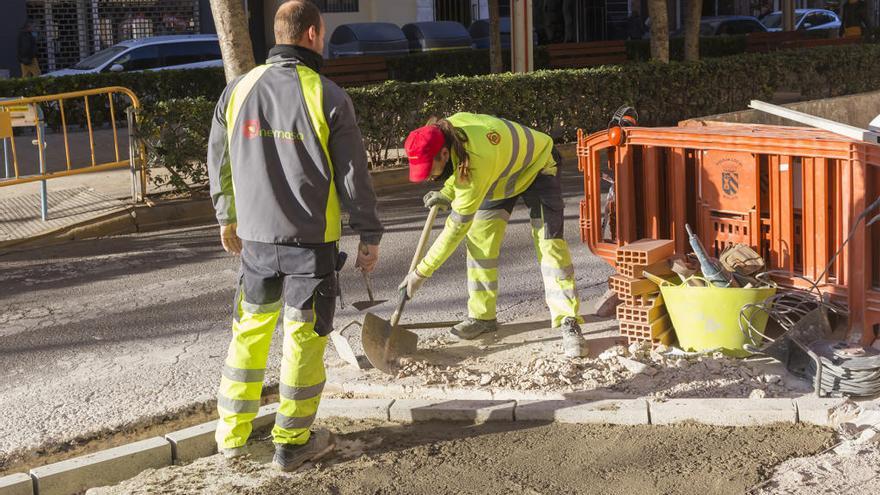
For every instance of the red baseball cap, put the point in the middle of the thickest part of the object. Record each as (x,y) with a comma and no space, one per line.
(422,145)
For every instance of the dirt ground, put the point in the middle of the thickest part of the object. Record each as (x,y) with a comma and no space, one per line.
(504,458)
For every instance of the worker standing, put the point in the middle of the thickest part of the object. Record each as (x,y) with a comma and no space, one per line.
(487,164)
(285,155)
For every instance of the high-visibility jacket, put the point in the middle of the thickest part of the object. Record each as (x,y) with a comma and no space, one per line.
(285,155)
(504,159)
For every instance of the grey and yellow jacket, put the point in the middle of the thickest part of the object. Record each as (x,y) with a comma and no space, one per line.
(285,155)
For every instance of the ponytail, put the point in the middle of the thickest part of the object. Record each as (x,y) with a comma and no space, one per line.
(455,139)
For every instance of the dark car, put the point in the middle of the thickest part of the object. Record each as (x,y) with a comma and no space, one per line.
(479,31)
(726,25)
(436,35)
(721,25)
(367,38)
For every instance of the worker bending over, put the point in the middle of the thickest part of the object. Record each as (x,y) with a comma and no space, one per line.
(487,164)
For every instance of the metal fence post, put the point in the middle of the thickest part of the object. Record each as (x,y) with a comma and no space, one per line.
(132,153)
(41,146)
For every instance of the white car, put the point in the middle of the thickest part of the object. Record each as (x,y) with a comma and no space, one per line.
(190,51)
(805,20)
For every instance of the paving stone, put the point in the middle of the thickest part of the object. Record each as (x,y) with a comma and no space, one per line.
(818,411)
(475,411)
(193,443)
(614,412)
(17,484)
(355,408)
(103,468)
(265,416)
(724,412)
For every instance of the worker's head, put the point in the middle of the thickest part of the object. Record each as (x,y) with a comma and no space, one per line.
(429,150)
(427,153)
(299,22)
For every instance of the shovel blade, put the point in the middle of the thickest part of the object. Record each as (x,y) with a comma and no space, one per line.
(362,305)
(383,344)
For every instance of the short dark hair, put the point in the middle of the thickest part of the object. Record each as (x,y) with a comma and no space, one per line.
(294,18)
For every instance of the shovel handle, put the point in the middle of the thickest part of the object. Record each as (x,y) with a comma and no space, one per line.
(420,252)
(369,285)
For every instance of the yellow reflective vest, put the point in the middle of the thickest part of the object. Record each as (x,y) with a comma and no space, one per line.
(504,159)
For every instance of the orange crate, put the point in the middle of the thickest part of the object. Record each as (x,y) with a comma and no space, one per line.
(645,252)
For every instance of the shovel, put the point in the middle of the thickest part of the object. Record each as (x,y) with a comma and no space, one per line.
(383,340)
(362,305)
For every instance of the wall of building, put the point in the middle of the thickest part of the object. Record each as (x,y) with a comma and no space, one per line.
(14,15)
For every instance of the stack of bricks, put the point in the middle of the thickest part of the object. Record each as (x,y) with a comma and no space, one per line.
(642,314)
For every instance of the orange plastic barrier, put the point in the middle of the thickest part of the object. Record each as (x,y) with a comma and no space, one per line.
(790,193)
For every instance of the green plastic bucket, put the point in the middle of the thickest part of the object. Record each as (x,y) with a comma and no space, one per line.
(707,318)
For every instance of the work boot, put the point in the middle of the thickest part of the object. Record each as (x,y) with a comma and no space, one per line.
(573,342)
(290,457)
(234,452)
(471,328)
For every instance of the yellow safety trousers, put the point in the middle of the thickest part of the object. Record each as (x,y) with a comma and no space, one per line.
(302,374)
(483,248)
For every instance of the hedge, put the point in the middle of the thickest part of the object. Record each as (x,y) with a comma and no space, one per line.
(562,101)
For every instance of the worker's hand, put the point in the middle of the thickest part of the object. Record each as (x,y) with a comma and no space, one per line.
(437,198)
(368,256)
(411,283)
(229,239)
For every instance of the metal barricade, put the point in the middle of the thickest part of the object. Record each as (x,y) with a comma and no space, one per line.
(32,112)
(793,194)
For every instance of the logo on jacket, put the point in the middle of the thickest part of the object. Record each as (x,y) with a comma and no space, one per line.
(494,137)
(253,130)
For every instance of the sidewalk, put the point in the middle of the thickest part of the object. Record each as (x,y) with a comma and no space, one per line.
(72,200)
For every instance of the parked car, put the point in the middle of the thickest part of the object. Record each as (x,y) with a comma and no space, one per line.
(367,38)
(725,25)
(480,32)
(805,20)
(436,35)
(189,51)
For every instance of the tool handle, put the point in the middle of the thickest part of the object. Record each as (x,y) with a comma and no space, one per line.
(369,284)
(423,239)
(420,251)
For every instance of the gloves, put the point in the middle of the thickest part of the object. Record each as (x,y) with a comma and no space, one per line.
(368,256)
(411,283)
(437,198)
(229,239)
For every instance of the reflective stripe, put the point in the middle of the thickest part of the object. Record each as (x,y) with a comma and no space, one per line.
(510,187)
(478,285)
(497,214)
(300,315)
(459,218)
(557,294)
(260,309)
(238,96)
(565,272)
(238,406)
(243,375)
(514,148)
(313,94)
(482,264)
(299,393)
(537,223)
(289,423)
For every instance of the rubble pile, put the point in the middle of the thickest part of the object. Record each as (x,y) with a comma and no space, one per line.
(637,370)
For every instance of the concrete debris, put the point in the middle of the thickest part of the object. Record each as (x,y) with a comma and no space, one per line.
(634,369)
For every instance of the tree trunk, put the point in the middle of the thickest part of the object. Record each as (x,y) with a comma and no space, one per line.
(235,39)
(496,61)
(692,30)
(659,30)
